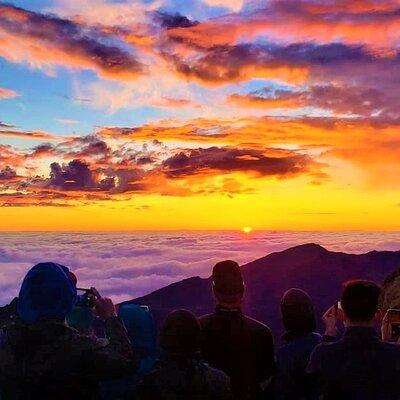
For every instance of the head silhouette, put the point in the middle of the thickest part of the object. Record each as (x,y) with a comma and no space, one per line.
(141,329)
(180,333)
(360,301)
(47,292)
(228,283)
(297,312)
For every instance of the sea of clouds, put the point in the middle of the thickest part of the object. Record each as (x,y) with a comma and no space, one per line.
(128,265)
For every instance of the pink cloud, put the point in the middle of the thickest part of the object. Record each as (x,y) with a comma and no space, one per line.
(7,93)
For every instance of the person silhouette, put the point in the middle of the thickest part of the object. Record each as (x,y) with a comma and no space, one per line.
(359,365)
(299,340)
(181,374)
(43,358)
(238,345)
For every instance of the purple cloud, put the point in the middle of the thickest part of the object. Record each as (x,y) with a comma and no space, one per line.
(177,20)
(231,159)
(7,173)
(81,45)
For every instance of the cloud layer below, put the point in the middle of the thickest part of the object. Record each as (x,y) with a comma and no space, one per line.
(128,265)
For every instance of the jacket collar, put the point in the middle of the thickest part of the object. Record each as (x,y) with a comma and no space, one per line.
(227,311)
(361,332)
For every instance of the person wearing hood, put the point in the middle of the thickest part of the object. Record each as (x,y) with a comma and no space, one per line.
(181,374)
(141,328)
(43,358)
(299,340)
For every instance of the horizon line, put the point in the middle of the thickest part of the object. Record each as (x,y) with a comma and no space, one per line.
(238,230)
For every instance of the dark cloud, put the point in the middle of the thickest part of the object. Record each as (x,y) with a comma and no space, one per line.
(363,21)
(230,159)
(81,44)
(80,176)
(176,20)
(314,54)
(90,146)
(7,173)
(75,175)
(144,160)
(5,125)
(44,149)
(222,64)
(361,101)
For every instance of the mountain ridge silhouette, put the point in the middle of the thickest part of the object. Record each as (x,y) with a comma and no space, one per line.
(309,266)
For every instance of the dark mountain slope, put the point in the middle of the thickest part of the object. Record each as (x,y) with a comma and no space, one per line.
(310,267)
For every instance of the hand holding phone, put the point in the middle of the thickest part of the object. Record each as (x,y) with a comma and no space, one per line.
(104,306)
(86,299)
(330,321)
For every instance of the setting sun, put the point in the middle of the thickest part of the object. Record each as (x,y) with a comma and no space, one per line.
(246,229)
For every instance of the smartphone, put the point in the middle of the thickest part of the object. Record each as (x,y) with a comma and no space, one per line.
(338,305)
(86,299)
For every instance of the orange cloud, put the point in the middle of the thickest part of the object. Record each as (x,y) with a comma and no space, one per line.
(171,102)
(236,64)
(367,22)
(35,135)
(7,93)
(202,156)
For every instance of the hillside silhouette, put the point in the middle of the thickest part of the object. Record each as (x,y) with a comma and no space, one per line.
(310,267)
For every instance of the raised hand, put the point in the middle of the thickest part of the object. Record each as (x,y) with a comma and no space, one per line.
(103,306)
(386,329)
(330,319)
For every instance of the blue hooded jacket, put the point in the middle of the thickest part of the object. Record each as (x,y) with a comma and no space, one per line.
(141,329)
(47,292)
(142,332)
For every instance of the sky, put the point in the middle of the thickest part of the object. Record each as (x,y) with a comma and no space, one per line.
(199,115)
(127,265)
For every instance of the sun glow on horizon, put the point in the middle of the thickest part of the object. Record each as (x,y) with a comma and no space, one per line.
(246,229)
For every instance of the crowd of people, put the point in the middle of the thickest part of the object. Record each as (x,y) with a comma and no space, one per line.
(57,344)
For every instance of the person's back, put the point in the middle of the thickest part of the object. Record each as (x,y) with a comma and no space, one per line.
(50,360)
(141,329)
(181,374)
(359,365)
(241,347)
(299,341)
(42,358)
(175,379)
(238,345)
